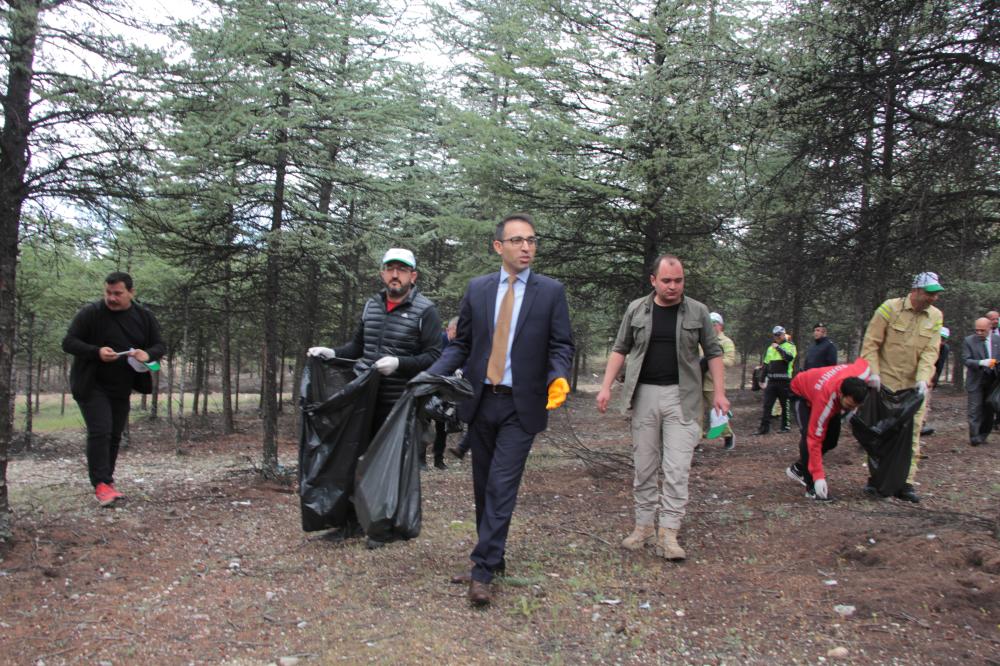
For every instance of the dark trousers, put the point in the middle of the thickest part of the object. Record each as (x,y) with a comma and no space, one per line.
(776,389)
(105,417)
(500,448)
(440,438)
(802,413)
(980,413)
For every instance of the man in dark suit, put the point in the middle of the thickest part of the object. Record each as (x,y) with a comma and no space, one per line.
(979,354)
(516,348)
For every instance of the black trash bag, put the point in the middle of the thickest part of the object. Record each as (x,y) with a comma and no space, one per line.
(446,412)
(757,378)
(883,425)
(387,484)
(994,399)
(337,409)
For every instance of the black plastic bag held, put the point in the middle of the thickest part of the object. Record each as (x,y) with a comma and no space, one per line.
(387,487)
(883,425)
(337,411)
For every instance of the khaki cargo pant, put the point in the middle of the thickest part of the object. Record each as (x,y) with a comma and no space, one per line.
(662,442)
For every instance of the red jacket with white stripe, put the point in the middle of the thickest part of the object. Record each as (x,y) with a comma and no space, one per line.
(820,387)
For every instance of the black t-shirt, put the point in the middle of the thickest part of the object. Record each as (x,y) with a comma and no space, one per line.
(660,363)
(124,331)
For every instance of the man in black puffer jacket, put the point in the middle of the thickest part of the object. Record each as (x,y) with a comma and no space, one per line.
(399,333)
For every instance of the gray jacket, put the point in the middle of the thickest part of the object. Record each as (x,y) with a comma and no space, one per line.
(693,328)
(974,351)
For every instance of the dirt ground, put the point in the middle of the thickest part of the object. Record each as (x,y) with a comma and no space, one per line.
(207,563)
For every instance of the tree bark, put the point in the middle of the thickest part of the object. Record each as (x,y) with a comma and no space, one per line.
(29,388)
(22,33)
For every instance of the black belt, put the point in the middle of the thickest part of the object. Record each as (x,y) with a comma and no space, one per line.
(499,389)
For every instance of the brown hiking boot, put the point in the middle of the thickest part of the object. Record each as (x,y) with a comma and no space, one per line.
(641,535)
(667,546)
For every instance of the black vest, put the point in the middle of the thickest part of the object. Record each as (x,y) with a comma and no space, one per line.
(395,333)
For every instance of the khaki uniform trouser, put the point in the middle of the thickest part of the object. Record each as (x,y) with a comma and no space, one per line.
(662,442)
(709,397)
(918,424)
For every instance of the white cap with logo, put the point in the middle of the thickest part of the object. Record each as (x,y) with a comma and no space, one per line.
(777,330)
(401,255)
(716,318)
(928,282)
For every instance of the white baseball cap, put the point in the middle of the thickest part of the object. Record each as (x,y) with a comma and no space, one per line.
(716,318)
(928,282)
(777,329)
(401,255)
(945,332)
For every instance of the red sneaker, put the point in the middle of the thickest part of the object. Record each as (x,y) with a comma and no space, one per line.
(106,494)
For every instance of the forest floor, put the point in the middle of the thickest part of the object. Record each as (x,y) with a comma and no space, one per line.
(207,563)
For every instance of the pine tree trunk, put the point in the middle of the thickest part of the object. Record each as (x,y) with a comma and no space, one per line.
(38,388)
(228,424)
(29,388)
(21,32)
(63,385)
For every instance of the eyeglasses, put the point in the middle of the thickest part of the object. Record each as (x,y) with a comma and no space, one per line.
(399,268)
(518,241)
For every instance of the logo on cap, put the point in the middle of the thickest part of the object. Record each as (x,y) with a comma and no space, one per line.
(928,282)
(401,255)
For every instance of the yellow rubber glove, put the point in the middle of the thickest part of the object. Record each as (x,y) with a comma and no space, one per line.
(558,390)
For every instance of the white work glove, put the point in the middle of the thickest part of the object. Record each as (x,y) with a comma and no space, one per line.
(324,353)
(387,365)
(922,387)
(819,487)
(988,363)
(875,382)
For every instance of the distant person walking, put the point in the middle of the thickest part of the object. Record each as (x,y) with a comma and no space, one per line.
(112,341)
(979,354)
(708,387)
(942,360)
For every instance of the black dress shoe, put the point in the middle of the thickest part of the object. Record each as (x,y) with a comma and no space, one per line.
(908,494)
(439,463)
(479,593)
(758,431)
(926,430)
(975,442)
(785,429)
(457,452)
(871,490)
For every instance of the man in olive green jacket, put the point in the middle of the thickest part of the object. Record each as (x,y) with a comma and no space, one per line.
(661,334)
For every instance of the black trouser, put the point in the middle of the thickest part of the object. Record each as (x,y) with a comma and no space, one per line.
(776,389)
(105,417)
(980,414)
(802,412)
(440,439)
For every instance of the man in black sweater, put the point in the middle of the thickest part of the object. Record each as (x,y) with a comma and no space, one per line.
(115,342)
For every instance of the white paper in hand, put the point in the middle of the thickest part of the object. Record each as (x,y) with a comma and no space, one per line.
(716,423)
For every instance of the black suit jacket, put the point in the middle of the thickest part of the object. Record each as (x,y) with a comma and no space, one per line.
(541,352)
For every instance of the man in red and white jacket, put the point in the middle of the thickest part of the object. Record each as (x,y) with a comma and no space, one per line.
(823,394)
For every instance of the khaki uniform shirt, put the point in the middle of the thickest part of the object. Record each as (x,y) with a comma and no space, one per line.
(694,328)
(728,360)
(901,344)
